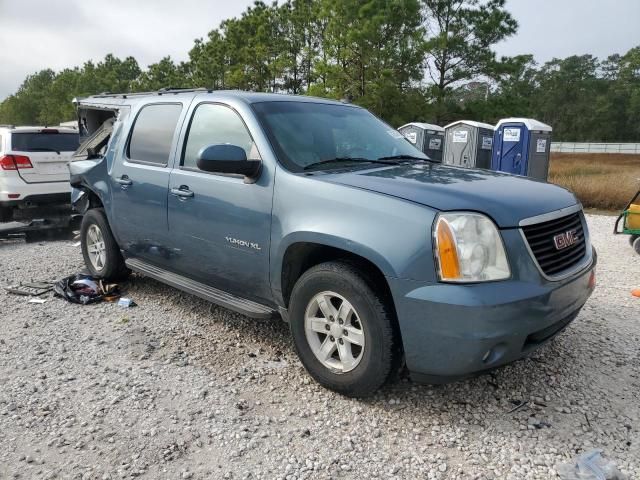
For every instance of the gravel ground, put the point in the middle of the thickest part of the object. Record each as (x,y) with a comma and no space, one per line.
(176,388)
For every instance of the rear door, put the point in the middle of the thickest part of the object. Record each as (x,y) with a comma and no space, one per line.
(49,150)
(140,179)
(509,150)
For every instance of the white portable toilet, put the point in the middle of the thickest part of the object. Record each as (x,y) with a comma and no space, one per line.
(425,137)
(468,144)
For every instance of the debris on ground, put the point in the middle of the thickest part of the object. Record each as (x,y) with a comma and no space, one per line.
(33,289)
(84,289)
(126,302)
(518,405)
(591,466)
(37,300)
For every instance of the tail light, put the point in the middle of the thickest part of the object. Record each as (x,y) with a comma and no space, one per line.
(15,162)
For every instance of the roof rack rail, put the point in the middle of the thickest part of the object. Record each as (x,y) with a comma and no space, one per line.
(162,91)
(7,125)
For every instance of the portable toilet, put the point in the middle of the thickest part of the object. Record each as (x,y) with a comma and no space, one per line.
(468,144)
(425,137)
(522,146)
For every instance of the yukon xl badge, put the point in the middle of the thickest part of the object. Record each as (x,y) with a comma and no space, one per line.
(565,240)
(242,243)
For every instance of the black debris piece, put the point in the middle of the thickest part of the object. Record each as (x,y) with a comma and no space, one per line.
(30,288)
(84,289)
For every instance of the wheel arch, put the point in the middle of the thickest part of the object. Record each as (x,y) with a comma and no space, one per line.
(94,200)
(303,253)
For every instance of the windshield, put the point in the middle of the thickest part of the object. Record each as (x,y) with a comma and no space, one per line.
(306,133)
(45,142)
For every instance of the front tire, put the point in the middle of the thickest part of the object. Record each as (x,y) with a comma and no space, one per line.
(632,239)
(636,245)
(343,329)
(99,249)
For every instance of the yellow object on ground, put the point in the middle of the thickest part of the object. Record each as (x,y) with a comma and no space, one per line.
(636,292)
(633,219)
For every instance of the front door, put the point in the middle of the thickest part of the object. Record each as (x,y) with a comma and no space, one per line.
(140,180)
(510,154)
(220,224)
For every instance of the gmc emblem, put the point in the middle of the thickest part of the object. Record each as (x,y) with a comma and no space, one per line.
(564,240)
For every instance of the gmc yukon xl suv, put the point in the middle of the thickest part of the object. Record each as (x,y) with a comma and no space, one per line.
(318,211)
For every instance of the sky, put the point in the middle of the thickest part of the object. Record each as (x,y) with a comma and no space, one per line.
(38,34)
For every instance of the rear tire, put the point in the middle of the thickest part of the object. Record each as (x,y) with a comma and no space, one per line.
(343,329)
(632,239)
(6,214)
(636,245)
(100,251)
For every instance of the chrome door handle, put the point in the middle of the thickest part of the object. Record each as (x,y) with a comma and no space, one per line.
(182,192)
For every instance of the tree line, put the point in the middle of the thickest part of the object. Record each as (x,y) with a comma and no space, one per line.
(405,60)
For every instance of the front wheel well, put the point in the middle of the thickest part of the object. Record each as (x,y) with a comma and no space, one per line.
(301,256)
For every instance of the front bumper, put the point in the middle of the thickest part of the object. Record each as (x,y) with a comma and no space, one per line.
(451,331)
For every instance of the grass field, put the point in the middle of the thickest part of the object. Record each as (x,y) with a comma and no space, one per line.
(600,181)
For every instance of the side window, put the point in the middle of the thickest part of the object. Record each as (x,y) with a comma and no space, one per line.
(214,124)
(153,133)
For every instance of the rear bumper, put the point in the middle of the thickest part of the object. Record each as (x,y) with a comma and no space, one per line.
(49,199)
(15,192)
(454,331)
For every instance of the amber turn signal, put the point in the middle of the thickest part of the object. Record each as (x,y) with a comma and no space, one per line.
(447,252)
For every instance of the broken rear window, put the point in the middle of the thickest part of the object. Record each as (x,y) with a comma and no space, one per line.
(45,142)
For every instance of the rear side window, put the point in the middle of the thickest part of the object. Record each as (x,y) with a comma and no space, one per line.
(215,124)
(153,133)
(45,142)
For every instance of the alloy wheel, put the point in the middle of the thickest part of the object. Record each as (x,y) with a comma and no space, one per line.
(96,247)
(334,332)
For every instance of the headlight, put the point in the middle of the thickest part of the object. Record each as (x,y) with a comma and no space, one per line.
(468,248)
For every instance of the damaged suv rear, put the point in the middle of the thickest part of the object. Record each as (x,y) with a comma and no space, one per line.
(317,211)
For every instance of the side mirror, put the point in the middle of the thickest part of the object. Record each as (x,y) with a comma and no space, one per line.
(225,158)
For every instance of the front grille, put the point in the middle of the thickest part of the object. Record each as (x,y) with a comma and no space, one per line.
(541,241)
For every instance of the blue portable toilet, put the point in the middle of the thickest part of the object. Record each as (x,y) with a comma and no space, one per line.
(522,146)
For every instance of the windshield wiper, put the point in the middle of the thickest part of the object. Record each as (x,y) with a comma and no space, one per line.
(43,149)
(348,160)
(405,157)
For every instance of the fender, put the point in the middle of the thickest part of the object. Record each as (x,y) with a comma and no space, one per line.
(327,240)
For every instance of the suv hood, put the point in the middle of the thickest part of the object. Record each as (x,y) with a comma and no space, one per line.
(505,198)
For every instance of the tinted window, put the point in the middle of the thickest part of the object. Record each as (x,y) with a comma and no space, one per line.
(153,133)
(304,133)
(45,142)
(215,124)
